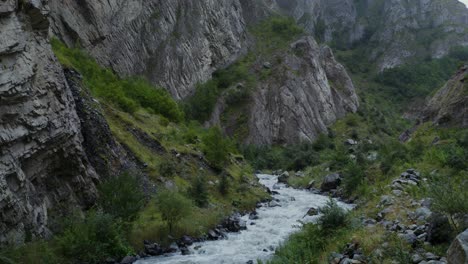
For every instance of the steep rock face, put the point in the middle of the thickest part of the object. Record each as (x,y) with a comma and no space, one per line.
(104,153)
(449,106)
(394,30)
(175,44)
(305,93)
(42,163)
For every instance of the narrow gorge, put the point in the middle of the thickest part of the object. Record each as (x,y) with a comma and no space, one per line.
(180,131)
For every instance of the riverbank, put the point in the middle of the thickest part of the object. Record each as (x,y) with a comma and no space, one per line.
(267,229)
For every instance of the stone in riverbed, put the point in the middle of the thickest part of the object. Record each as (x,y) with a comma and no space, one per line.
(312,211)
(128,260)
(152,249)
(331,181)
(283,178)
(185,251)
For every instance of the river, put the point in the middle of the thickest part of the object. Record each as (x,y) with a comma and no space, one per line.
(262,237)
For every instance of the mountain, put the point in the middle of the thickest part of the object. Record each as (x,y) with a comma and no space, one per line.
(68,124)
(392,32)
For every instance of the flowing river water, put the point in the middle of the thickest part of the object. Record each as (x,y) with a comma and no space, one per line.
(274,225)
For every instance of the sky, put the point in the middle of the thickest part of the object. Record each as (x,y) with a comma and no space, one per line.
(464,1)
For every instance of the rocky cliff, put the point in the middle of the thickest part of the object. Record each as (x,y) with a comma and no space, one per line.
(42,161)
(449,106)
(175,44)
(392,31)
(305,93)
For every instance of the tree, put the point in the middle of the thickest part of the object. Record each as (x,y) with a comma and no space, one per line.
(223,186)
(216,148)
(173,207)
(198,191)
(121,197)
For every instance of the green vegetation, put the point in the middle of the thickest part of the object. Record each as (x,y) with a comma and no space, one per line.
(274,34)
(173,207)
(294,157)
(93,239)
(127,94)
(216,148)
(121,197)
(333,216)
(201,104)
(93,236)
(419,79)
(198,191)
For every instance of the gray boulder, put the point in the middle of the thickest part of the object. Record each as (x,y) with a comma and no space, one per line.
(458,251)
(331,182)
(283,178)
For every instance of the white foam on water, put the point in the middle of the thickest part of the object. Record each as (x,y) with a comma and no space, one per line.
(258,242)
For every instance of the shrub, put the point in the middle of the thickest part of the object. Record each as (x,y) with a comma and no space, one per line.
(302,247)
(201,104)
(322,142)
(216,148)
(224,185)
(93,239)
(333,216)
(353,178)
(167,168)
(173,207)
(198,191)
(449,196)
(121,197)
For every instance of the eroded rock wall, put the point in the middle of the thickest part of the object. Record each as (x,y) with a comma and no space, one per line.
(175,44)
(305,93)
(42,162)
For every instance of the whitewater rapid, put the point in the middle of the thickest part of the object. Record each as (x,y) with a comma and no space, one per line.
(259,241)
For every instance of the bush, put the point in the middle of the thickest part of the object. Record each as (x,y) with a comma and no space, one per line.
(167,168)
(216,148)
(93,239)
(121,197)
(302,247)
(322,142)
(224,185)
(198,191)
(333,216)
(353,178)
(449,196)
(200,106)
(173,207)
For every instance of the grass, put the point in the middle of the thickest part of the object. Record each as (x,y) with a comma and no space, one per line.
(127,94)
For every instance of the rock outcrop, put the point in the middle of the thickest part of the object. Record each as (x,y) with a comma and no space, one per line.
(393,31)
(449,106)
(175,44)
(42,162)
(305,93)
(458,251)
